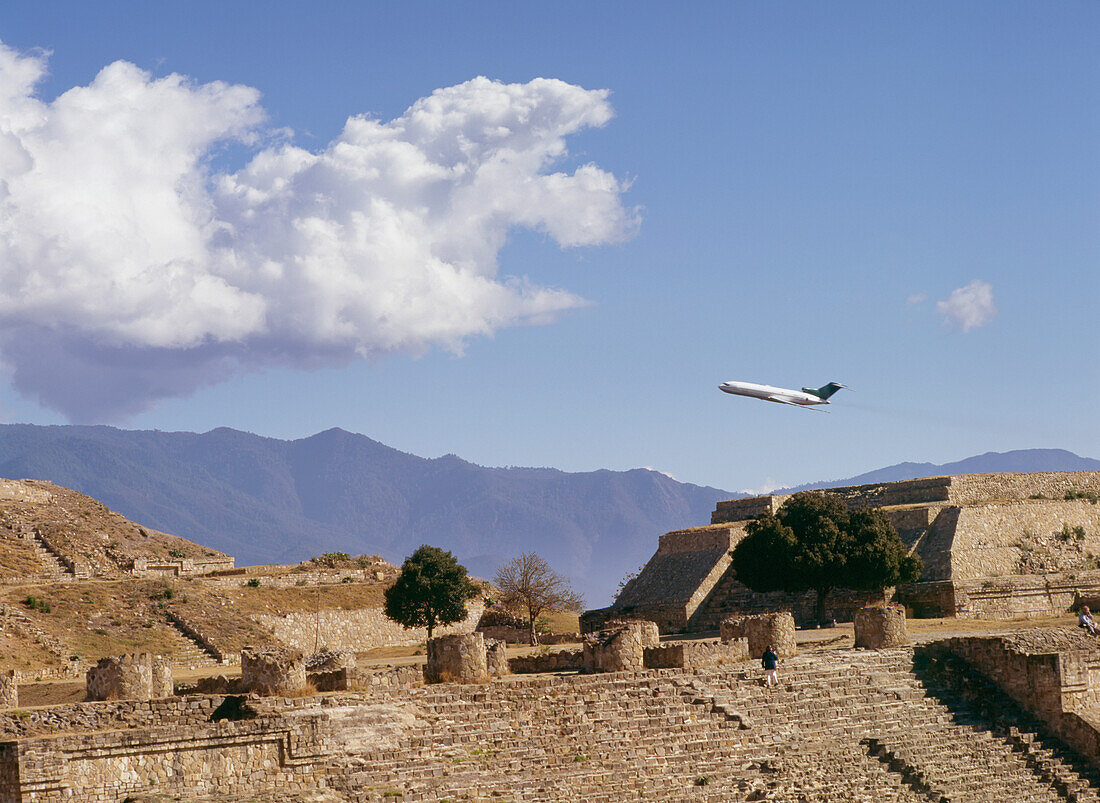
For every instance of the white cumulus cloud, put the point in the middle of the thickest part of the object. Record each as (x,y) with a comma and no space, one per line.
(968,307)
(131,271)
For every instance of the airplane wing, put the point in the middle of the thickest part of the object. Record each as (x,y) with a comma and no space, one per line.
(781,400)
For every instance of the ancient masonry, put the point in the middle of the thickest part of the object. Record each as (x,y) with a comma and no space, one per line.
(993,546)
(856,725)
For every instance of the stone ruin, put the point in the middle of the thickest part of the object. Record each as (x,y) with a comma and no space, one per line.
(880,626)
(620,647)
(9,689)
(457,658)
(993,546)
(496,657)
(273,670)
(761,630)
(331,670)
(140,676)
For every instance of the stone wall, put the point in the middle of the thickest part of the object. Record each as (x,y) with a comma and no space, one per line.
(1061,688)
(182,567)
(9,689)
(555,661)
(19,491)
(694,653)
(356,630)
(1018,537)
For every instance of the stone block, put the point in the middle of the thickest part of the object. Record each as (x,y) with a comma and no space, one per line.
(9,690)
(125,677)
(273,670)
(457,658)
(620,648)
(496,657)
(162,684)
(331,661)
(762,630)
(880,626)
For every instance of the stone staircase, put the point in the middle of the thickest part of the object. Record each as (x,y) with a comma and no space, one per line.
(186,652)
(53,569)
(854,726)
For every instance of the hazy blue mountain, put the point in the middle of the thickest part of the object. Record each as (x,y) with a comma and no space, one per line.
(990,462)
(266,500)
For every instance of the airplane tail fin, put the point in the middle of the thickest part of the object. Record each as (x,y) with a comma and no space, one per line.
(825,391)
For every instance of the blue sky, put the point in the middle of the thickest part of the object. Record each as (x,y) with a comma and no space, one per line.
(798,189)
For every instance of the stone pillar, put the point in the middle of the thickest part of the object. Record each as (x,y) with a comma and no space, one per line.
(620,648)
(496,658)
(457,658)
(126,677)
(272,670)
(162,685)
(880,626)
(9,691)
(761,630)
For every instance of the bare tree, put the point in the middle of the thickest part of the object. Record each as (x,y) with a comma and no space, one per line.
(528,585)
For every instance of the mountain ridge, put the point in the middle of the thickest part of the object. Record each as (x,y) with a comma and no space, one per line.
(266,500)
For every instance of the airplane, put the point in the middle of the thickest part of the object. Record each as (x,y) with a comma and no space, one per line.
(806,399)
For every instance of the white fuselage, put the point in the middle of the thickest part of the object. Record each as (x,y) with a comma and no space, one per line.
(769,393)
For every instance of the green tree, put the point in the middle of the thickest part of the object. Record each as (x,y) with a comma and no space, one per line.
(431,590)
(816,543)
(529,586)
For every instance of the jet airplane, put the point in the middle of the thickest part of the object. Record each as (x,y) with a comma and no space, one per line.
(806,398)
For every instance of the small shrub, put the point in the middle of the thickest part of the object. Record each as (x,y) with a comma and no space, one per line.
(347,580)
(177,553)
(99,631)
(1036,496)
(1079,533)
(254,582)
(1066,533)
(301,582)
(36,604)
(332,559)
(1089,495)
(703,780)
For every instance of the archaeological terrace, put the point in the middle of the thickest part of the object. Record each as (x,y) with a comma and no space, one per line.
(993,546)
(860,714)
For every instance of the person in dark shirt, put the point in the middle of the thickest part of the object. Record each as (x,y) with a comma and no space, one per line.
(770,661)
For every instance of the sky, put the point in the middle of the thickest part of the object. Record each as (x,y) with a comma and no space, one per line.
(543,234)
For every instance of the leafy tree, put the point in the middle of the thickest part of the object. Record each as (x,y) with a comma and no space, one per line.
(431,590)
(528,585)
(816,543)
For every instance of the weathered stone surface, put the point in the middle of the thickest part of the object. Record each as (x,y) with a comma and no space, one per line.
(992,545)
(272,670)
(125,677)
(9,690)
(496,657)
(330,661)
(457,658)
(880,626)
(161,684)
(762,630)
(695,653)
(620,648)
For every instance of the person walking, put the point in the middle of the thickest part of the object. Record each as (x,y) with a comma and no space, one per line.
(770,661)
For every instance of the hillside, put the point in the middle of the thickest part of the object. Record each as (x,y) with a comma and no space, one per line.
(264,500)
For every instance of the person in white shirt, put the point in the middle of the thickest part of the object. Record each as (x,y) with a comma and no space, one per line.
(1085,620)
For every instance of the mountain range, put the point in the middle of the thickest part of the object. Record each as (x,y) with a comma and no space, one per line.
(266,500)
